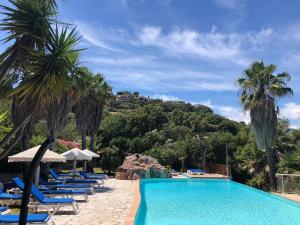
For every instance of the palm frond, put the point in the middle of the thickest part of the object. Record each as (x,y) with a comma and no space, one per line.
(259,89)
(50,72)
(27,23)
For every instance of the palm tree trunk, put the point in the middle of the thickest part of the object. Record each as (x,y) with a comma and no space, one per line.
(25,142)
(52,136)
(13,132)
(204,158)
(29,179)
(272,161)
(3,153)
(83,139)
(92,142)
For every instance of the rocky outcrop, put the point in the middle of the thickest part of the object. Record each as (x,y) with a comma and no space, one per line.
(140,166)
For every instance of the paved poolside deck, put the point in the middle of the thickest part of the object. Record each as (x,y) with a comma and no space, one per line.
(293,197)
(109,207)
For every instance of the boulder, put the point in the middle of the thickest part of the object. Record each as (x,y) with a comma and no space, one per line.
(140,166)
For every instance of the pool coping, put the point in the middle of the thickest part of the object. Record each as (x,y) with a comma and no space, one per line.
(129,220)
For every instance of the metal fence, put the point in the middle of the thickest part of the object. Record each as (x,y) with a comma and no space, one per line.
(288,183)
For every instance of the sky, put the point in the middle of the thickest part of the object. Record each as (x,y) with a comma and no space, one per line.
(190,50)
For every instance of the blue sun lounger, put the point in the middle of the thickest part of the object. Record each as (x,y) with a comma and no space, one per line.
(60,185)
(9,199)
(196,172)
(41,219)
(74,181)
(4,210)
(54,203)
(61,174)
(99,176)
(63,192)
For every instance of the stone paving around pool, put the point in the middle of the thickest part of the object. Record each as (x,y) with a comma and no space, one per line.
(109,207)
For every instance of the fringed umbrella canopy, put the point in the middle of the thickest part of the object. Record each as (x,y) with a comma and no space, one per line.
(27,156)
(76,154)
(90,153)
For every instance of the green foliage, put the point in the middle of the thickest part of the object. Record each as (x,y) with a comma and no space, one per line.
(59,148)
(37,140)
(5,122)
(70,132)
(27,23)
(111,159)
(167,131)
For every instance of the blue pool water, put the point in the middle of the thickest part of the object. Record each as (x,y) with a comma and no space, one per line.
(211,202)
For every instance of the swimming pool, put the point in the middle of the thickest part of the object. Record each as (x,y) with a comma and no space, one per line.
(211,202)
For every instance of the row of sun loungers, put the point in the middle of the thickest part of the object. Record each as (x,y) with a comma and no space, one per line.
(94,182)
(45,196)
(195,172)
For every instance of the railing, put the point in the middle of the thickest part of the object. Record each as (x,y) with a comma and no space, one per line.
(288,183)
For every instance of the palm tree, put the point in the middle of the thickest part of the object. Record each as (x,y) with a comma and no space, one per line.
(81,109)
(27,23)
(99,93)
(49,79)
(19,112)
(42,59)
(89,109)
(260,89)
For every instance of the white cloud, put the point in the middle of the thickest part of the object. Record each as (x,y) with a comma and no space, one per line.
(262,37)
(233,113)
(115,61)
(150,34)
(171,79)
(229,112)
(90,34)
(291,111)
(211,85)
(207,103)
(166,97)
(213,45)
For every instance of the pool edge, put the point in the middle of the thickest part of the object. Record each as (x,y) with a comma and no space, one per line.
(129,220)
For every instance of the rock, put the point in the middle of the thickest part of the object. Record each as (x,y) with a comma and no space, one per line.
(140,166)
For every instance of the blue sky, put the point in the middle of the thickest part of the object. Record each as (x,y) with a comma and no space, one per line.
(189,50)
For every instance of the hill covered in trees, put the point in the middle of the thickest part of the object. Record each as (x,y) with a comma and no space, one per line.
(180,135)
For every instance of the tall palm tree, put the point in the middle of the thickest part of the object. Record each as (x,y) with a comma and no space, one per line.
(49,79)
(99,93)
(89,109)
(42,61)
(260,89)
(27,23)
(81,109)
